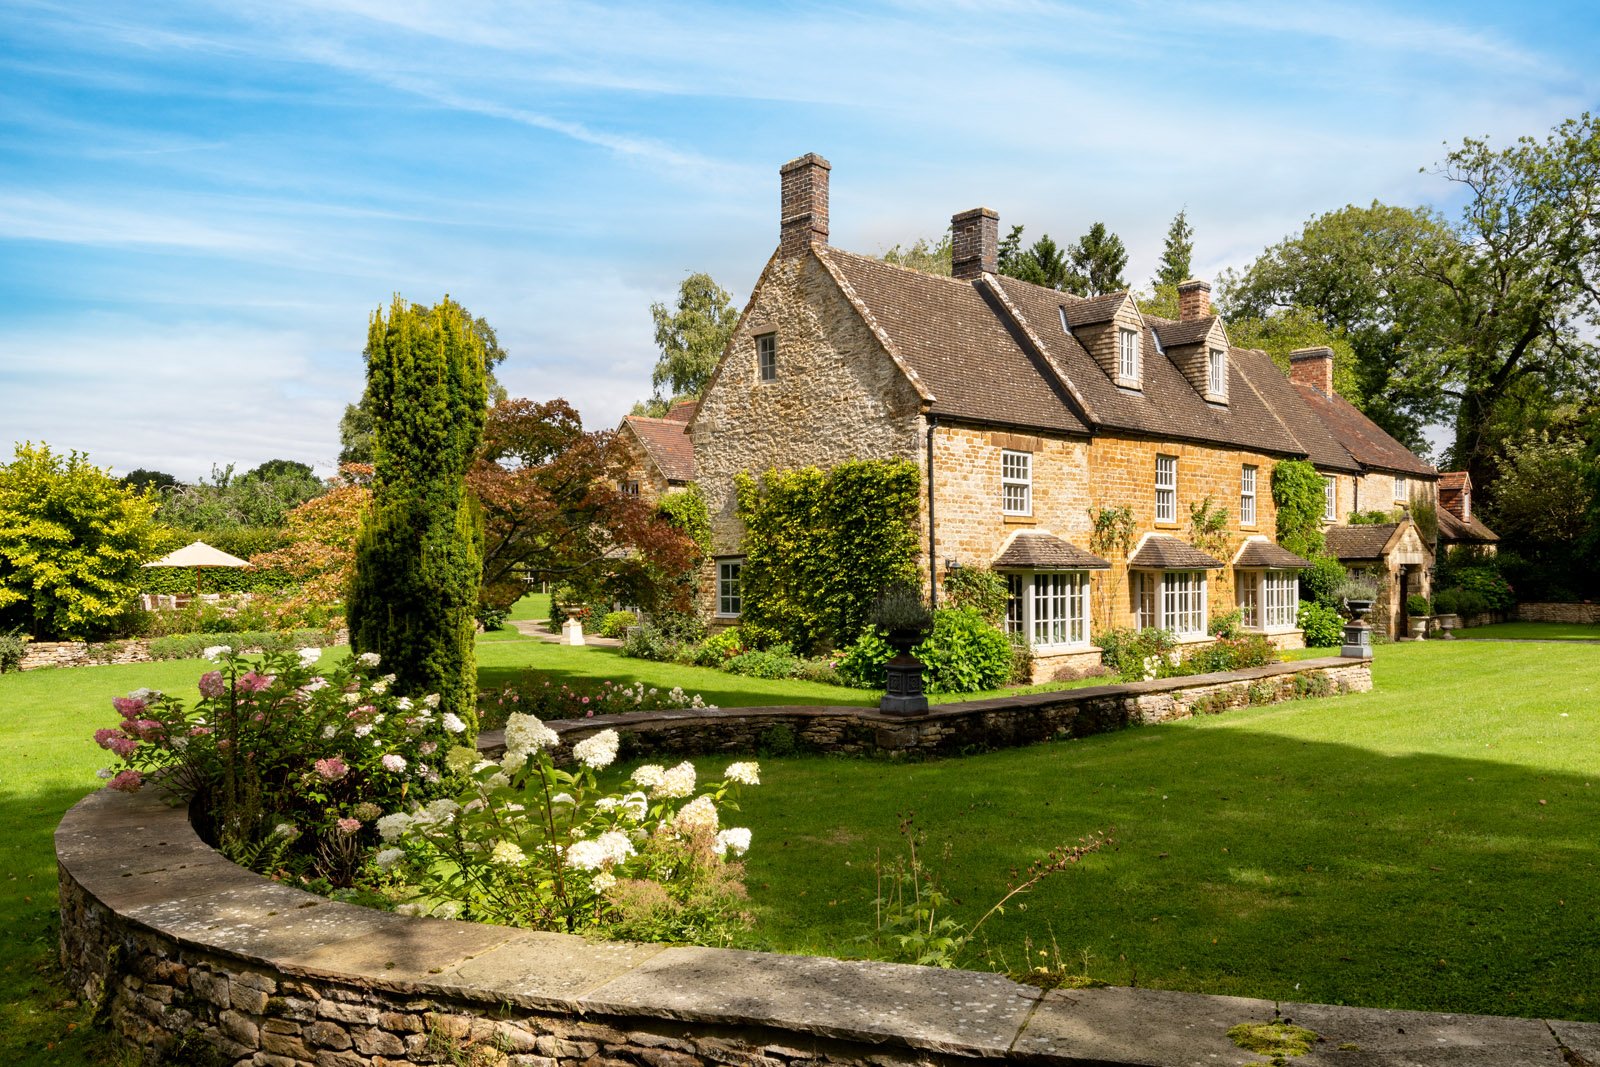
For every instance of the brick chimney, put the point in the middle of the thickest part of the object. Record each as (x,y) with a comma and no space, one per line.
(1194,300)
(974,243)
(804,211)
(1455,494)
(1313,367)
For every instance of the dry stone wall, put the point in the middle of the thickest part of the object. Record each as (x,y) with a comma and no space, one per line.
(1584,614)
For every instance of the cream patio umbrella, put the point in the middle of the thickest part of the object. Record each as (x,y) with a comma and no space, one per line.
(198,555)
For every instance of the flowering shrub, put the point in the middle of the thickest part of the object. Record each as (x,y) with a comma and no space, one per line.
(544,699)
(294,763)
(528,844)
(962,654)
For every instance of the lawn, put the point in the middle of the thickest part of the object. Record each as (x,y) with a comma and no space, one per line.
(1385,849)
(1532,631)
(1430,845)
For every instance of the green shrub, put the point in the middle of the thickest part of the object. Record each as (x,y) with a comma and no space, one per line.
(190,646)
(1137,655)
(1229,624)
(775,662)
(862,663)
(492,618)
(1417,604)
(1320,581)
(652,642)
(823,669)
(1021,660)
(12,645)
(687,511)
(1297,493)
(616,623)
(1322,625)
(719,648)
(1226,654)
(964,653)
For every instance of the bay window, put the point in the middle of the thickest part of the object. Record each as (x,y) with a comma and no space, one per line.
(1171,600)
(1268,600)
(1050,608)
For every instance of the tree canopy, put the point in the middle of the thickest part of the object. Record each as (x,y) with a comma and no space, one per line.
(72,541)
(1473,321)
(1177,253)
(930,257)
(691,336)
(1091,266)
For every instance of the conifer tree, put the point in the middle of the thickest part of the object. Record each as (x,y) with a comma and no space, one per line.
(1097,260)
(414,596)
(1177,254)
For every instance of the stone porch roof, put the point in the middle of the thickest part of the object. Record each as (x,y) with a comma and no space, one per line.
(1167,553)
(1047,552)
(1266,555)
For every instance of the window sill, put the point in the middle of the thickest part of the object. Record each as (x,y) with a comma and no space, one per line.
(1064,650)
(1020,520)
(1166,524)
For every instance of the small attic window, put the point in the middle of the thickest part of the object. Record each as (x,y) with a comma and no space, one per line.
(1217,383)
(767,357)
(1127,356)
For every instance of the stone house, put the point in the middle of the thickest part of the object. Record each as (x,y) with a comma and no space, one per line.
(1029,412)
(661,455)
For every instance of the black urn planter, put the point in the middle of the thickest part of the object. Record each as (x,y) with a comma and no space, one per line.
(903,693)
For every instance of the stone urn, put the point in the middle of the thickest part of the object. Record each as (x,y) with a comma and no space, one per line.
(1357,632)
(1447,625)
(1419,626)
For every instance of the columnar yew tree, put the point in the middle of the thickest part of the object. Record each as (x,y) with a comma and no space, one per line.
(419,555)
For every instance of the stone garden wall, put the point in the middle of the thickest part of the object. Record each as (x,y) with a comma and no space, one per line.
(965,726)
(37,654)
(1572,613)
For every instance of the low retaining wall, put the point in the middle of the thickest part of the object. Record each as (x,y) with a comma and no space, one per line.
(38,654)
(1004,722)
(173,945)
(1588,614)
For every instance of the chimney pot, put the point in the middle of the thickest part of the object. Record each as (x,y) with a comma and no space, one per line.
(1194,300)
(1313,367)
(804,207)
(974,244)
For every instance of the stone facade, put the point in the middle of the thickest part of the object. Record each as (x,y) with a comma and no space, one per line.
(837,394)
(641,469)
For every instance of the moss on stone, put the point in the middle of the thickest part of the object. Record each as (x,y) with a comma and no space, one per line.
(1278,1040)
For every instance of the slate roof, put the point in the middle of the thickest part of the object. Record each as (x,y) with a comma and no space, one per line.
(1454,529)
(1176,334)
(667,444)
(1047,552)
(682,411)
(1360,436)
(1359,542)
(1165,552)
(1456,480)
(965,354)
(1265,554)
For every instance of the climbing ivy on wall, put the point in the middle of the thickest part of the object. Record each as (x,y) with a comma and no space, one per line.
(1297,492)
(820,546)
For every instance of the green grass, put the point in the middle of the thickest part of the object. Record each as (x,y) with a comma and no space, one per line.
(1532,631)
(1430,845)
(532,606)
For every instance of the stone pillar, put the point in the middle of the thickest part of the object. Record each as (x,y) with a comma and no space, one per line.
(572,632)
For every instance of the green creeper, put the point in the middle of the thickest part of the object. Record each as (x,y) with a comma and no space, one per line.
(419,556)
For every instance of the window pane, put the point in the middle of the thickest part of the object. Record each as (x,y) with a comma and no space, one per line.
(1014,594)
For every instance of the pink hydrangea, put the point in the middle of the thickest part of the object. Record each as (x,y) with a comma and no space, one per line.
(128,707)
(333,768)
(212,684)
(251,682)
(199,731)
(428,748)
(349,826)
(127,781)
(148,729)
(392,762)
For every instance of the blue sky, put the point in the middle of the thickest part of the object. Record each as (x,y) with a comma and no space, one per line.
(200,205)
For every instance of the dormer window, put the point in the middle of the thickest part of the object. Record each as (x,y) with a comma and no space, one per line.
(767,357)
(1218,372)
(1127,356)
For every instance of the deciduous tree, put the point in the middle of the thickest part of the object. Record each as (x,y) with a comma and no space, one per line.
(72,541)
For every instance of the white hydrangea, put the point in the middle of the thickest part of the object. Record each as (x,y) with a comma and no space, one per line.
(105,772)
(592,854)
(452,723)
(746,773)
(414,911)
(431,700)
(316,684)
(633,806)
(388,858)
(447,909)
(285,829)
(394,827)
(364,729)
(308,656)
(699,814)
(562,798)
(650,775)
(369,659)
(441,811)
(603,881)
(403,704)
(525,735)
(380,687)
(677,782)
(507,854)
(597,751)
(735,840)
(497,780)
(215,652)
(352,698)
